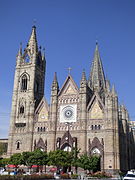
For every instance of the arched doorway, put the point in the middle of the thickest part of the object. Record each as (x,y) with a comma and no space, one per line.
(96,147)
(96,152)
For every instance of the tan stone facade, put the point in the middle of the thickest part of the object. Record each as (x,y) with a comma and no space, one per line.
(88,118)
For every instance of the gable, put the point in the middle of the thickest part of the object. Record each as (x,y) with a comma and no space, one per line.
(43,114)
(96,111)
(70,90)
(69,87)
(42,111)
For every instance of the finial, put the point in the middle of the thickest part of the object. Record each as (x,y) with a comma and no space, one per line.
(69,70)
(34,23)
(55,77)
(20,49)
(96,41)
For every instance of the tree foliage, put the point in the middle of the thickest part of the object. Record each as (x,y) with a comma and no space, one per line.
(89,163)
(16,159)
(4,161)
(60,158)
(3,148)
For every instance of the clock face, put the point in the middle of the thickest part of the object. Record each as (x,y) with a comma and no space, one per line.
(68,113)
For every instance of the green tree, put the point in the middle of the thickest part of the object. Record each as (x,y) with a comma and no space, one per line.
(16,159)
(89,163)
(36,157)
(3,148)
(4,161)
(45,159)
(94,161)
(60,158)
(25,158)
(84,162)
(75,158)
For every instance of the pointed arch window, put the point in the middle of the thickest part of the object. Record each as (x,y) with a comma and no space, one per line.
(18,145)
(21,110)
(24,82)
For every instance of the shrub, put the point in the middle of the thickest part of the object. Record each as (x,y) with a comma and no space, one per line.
(74,176)
(100,174)
(64,176)
(27,177)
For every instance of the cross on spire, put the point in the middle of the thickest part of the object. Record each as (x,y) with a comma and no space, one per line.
(34,22)
(69,70)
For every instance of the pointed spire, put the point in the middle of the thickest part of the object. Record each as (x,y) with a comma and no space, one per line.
(114,91)
(19,56)
(32,44)
(83,82)
(55,85)
(97,78)
(20,51)
(43,54)
(55,78)
(83,75)
(108,85)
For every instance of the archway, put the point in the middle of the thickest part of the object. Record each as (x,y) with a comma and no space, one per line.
(96,147)
(96,152)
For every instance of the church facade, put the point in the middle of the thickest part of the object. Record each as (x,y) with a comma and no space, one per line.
(87,117)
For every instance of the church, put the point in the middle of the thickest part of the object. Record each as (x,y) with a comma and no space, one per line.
(87,117)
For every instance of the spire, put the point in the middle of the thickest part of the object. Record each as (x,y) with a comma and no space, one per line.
(55,78)
(32,44)
(43,54)
(83,82)
(114,91)
(83,76)
(97,78)
(55,85)
(108,85)
(20,51)
(19,55)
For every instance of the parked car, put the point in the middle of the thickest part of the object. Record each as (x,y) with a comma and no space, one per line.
(130,175)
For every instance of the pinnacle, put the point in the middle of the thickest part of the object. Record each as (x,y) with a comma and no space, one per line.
(55,77)
(32,44)
(114,91)
(97,78)
(83,76)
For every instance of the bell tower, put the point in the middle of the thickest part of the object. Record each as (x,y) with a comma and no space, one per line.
(27,93)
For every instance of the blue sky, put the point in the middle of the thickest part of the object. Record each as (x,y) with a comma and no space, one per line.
(68,30)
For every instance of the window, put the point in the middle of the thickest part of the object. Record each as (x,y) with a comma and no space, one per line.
(22,109)
(18,145)
(24,83)
(92,127)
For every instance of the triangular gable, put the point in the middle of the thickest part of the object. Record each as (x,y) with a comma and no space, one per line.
(69,87)
(96,108)
(42,111)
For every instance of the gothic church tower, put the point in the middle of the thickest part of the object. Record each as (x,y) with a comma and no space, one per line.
(27,93)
